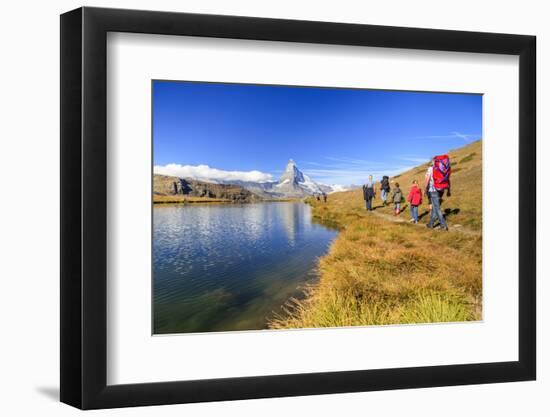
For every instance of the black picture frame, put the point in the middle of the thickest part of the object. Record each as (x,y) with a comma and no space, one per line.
(84,207)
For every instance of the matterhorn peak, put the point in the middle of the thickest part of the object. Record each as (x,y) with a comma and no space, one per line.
(292,174)
(290,165)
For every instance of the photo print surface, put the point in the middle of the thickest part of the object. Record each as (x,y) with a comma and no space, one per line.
(284,207)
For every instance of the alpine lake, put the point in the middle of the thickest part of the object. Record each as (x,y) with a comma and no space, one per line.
(227,267)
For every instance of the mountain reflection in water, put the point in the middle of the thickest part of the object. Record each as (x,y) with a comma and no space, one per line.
(230,267)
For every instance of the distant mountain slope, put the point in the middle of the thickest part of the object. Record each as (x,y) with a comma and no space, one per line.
(262,189)
(293,183)
(164,185)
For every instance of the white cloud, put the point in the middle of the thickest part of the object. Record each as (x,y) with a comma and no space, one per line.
(354,175)
(205,173)
(352,161)
(464,136)
(417,160)
(452,135)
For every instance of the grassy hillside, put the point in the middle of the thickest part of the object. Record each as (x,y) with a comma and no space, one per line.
(385,272)
(465,204)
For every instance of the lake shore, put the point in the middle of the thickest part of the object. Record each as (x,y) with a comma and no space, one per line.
(378,271)
(182,199)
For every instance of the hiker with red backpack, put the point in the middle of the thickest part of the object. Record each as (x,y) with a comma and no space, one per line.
(415,199)
(438,179)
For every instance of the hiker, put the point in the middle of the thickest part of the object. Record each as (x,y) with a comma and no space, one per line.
(429,201)
(415,199)
(437,180)
(324,197)
(369,192)
(397,196)
(317,197)
(384,189)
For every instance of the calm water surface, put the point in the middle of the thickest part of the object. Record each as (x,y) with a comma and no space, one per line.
(229,267)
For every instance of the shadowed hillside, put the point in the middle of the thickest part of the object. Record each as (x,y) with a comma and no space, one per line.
(380,271)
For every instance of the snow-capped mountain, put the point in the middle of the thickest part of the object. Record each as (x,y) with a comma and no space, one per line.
(294,183)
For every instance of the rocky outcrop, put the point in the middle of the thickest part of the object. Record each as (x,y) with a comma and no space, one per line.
(166,185)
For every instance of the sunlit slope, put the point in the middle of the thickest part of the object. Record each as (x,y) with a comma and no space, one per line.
(383,272)
(463,208)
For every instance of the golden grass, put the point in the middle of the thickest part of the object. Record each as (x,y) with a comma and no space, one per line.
(383,272)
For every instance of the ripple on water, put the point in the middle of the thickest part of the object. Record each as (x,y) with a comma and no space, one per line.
(228,267)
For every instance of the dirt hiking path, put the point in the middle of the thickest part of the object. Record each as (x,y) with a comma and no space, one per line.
(401,219)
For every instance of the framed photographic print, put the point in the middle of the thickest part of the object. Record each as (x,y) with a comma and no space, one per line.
(258,207)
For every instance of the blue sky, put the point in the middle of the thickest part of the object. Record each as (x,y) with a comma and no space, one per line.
(336,136)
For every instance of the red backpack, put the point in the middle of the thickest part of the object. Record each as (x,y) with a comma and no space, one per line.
(441,172)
